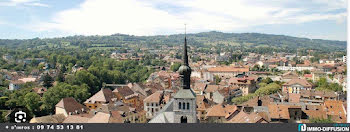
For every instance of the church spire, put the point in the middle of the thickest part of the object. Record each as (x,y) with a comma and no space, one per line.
(185,50)
(185,69)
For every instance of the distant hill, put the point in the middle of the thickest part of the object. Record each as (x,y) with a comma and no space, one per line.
(247,40)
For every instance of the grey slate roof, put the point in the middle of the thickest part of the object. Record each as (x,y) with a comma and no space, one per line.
(166,115)
(185,93)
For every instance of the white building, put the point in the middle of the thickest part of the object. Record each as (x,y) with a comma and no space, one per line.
(153,104)
(297,68)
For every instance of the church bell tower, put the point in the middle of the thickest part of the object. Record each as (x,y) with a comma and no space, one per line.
(184,105)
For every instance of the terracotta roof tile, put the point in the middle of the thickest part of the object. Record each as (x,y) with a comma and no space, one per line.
(199,86)
(243,117)
(104,95)
(76,119)
(302,82)
(221,110)
(336,109)
(71,105)
(155,97)
(277,111)
(228,69)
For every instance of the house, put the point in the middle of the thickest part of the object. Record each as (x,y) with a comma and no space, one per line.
(295,85)
(15,85)
(230,92)
(69,106)
(308,76)
(153,104)
(245,83)
(199,88)
(77,68)
(316,75)
(314,96)
(57,118)
(315,112)
(126,112)
(138,88)
(100,117)
(27,79)
(296,68)
(202,105)
(7,57)
(286,77)
(293,97)
(218,97)
(76,119)
(283,113)
(336,110)
(243,117)
(260,102)
(104,96)
(227,71)
(220,113)
(124,93)
(208,92)
(39,90)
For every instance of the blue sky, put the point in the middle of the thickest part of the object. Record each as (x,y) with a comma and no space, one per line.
(23,19)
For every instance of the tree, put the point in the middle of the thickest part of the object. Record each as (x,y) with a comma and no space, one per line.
(60,77)
(32,102)
(323,85)
(3,100)
(267,80)
(242,99)
(217,80)
(2,118)
(175,66)
(262,84)
(268,89)
(256,68)
(48,80)
(85,77)
(306,72)
(62,90)
(318,120)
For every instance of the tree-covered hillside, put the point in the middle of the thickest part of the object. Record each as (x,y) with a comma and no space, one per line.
(246,40)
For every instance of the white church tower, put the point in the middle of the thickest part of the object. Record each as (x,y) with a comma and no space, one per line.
(184,106)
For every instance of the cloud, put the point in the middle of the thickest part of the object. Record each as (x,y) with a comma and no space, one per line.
(38,4)
(152,17)
(24,2)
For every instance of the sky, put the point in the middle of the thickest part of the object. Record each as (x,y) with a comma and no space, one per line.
(315,19)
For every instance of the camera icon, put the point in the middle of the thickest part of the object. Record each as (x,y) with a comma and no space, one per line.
(20,117)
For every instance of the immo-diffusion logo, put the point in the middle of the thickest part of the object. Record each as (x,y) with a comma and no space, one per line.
(334,128)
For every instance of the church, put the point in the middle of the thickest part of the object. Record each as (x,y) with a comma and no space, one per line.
(182,108)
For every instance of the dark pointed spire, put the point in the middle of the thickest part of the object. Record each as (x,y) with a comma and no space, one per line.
(185,69)
(185,50)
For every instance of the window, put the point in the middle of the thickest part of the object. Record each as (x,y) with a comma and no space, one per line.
(184,106)
(179,105)
(188,106)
